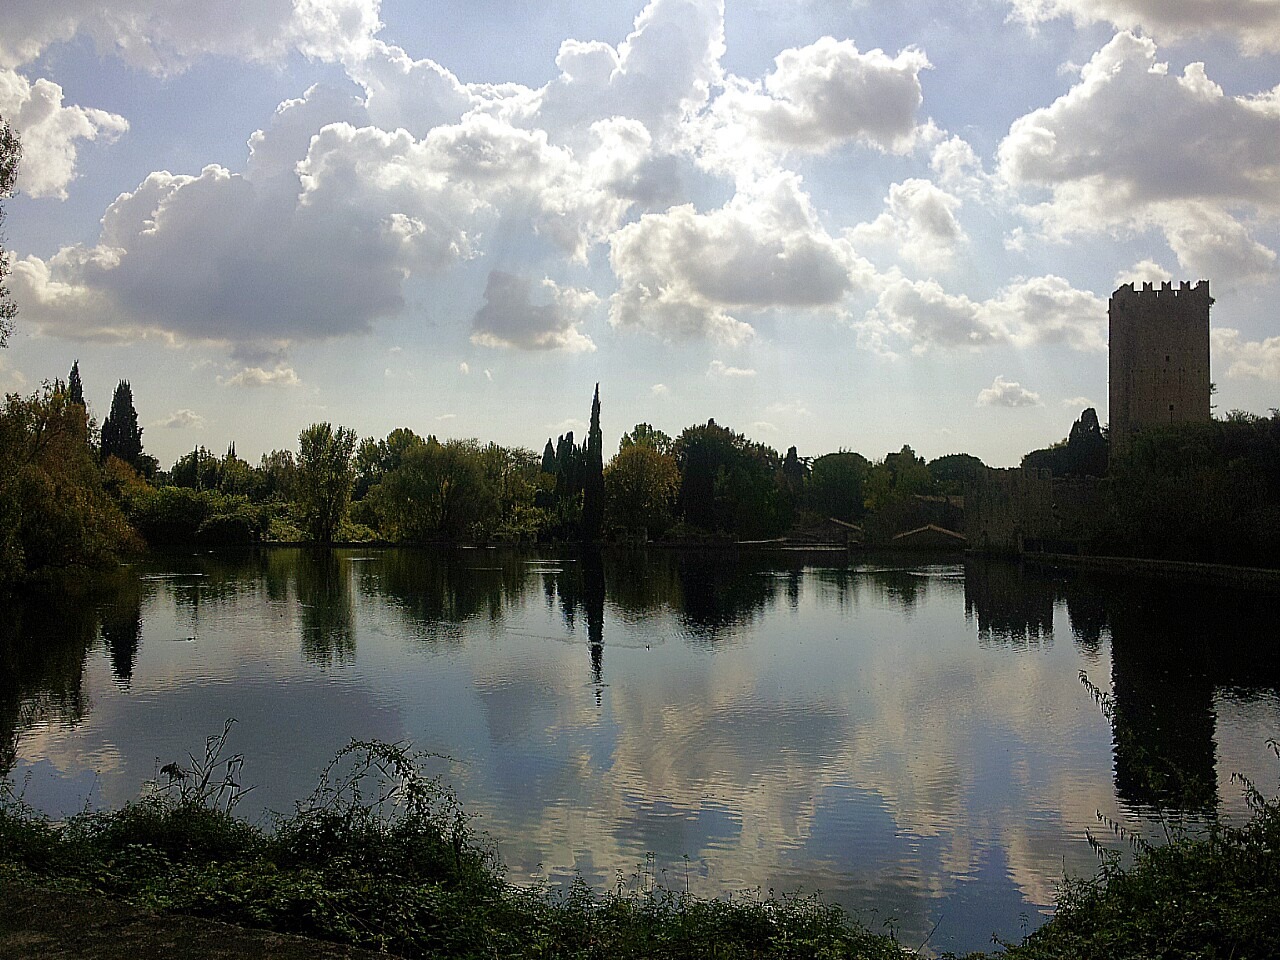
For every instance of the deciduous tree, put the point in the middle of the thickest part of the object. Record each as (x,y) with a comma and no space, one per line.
(324,478)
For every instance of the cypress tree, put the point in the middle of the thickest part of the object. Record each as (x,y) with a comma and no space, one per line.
(549,457)
(75,389)
(593,479)
(121,435)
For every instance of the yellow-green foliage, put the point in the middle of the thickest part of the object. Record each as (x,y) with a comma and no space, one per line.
(54,510)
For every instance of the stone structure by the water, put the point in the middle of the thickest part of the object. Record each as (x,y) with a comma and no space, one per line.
(1158,358)
(1025,509)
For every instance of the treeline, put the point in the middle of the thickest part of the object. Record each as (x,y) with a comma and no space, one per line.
(1204,492)
(77,493)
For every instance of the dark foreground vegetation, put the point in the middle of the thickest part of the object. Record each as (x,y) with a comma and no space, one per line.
(385,858)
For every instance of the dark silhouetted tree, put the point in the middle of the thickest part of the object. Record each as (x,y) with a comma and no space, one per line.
(10,154)
(954,471)
(1084,453)
(593,476)
(549,457)
(121,435)
(835,487)
(75,389)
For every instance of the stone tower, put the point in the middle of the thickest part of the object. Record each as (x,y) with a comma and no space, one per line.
(1159,357)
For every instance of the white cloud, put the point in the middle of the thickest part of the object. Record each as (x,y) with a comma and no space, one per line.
(50,132)
(414,94)
(464,368)
(817,97)
(919,224)
(659,75)
(1007,393)
(719,369)
(1077,403)
(1039,310)
(660,390)
(764,426)
(511,318)
(1144,271)
(447,416)
(960,170)
(1248,359)
(258,377)
(925,315)
(1253,24)
(681,272)
(180,419)
(1048,310)
(1130,146)
(167,36)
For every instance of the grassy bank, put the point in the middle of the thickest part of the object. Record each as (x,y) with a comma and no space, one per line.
(384,858)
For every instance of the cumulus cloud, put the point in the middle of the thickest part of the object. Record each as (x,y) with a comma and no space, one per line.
(1077,403)
(167,36)
(510,316)
(50,132)
(718,368)
(310,249)
(919,225)
(1007,393)
(960,170)
(1192,162)
(258,377)
(925,315)
(1144,271)
(820,96)
(659,75)
(179,420)
(1029,311)
(681,273)
(1248,359)
(1253,24)
(660,390)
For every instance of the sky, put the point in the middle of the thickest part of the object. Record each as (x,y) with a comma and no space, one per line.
(832,224)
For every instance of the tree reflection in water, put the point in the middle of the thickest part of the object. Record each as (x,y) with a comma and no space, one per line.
(44,643)
(1173,646)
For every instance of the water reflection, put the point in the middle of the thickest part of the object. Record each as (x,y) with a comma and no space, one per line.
(122,629)
(1173,647)
(326,609)
(905,737)
(44,643)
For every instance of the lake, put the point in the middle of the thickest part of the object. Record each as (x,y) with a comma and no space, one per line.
(912,738)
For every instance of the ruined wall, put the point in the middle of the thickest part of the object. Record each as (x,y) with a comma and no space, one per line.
(1010,511)
(1159,357)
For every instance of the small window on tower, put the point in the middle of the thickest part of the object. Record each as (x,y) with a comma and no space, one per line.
(1166,358)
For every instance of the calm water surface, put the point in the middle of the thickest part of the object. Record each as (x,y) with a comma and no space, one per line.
(914,740)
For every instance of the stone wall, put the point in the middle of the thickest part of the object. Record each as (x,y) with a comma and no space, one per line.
(1019,510)
(1158,358)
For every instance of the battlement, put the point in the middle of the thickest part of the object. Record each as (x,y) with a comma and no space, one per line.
(1166,291)
(1159,357)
